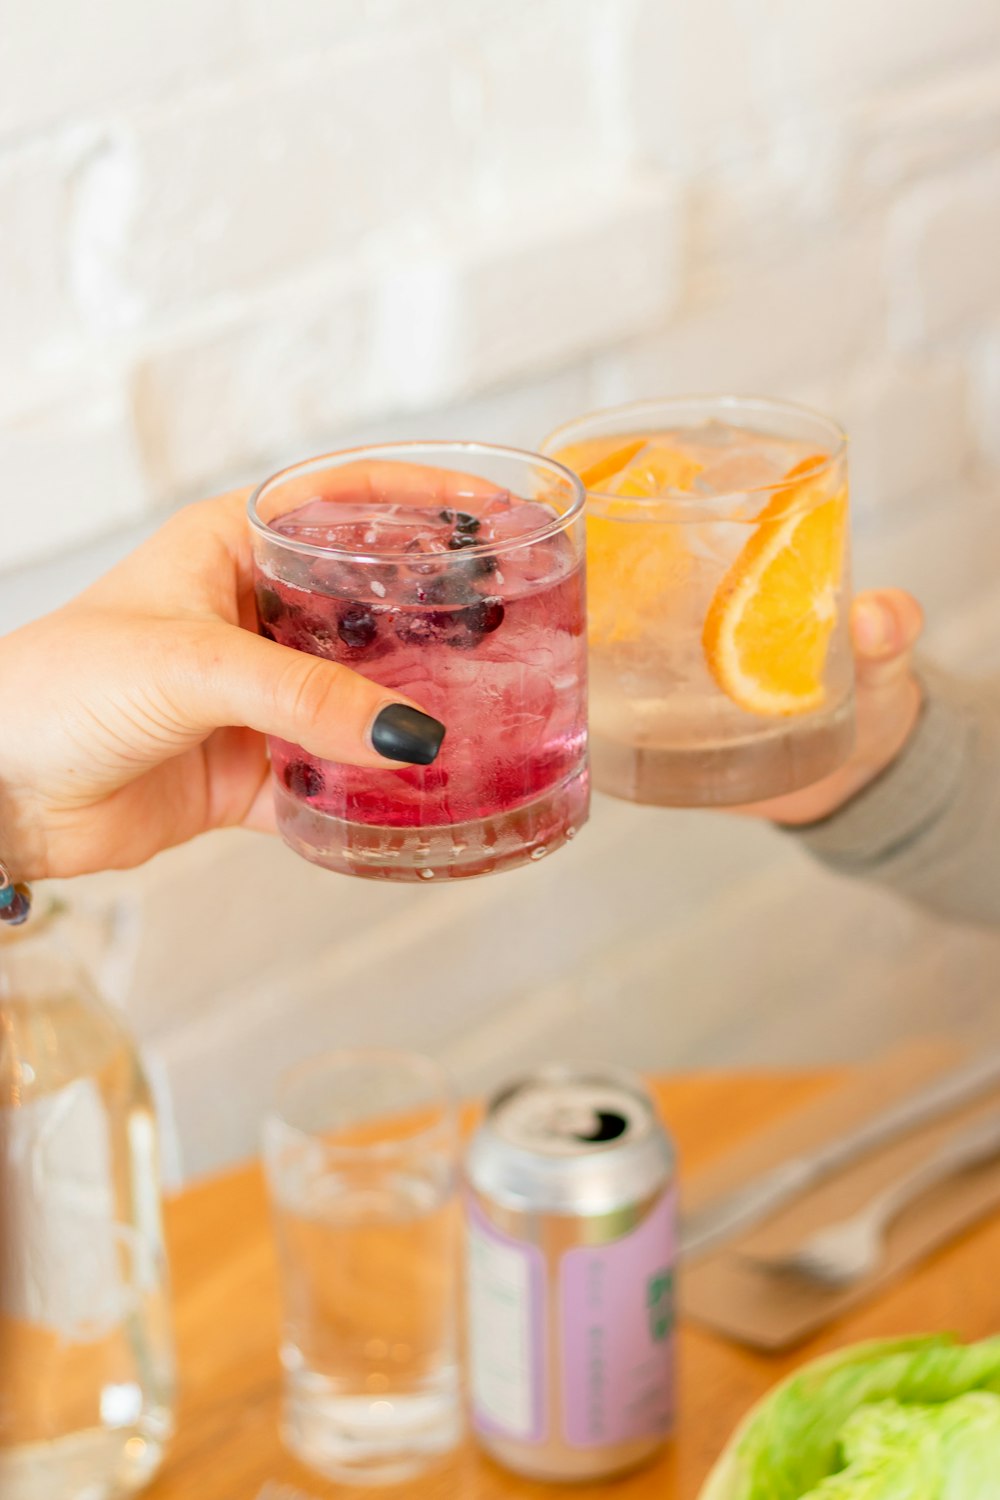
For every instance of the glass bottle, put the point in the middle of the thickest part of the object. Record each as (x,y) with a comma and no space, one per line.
(86,1349)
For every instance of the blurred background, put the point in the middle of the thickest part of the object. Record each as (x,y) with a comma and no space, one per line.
(233,233)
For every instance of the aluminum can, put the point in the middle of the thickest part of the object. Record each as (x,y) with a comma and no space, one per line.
(571,1214)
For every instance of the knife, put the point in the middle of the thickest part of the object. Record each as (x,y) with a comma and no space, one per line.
(746,1205)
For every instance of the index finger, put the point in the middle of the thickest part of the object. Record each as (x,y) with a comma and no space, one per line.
(190,561)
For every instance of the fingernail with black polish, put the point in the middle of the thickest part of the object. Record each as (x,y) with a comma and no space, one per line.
(404,733)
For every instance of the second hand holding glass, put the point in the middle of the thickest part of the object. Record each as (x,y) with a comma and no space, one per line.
(718,583)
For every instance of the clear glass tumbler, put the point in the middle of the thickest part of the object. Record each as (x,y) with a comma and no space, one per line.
(718,590)
(452,573)
(360,1154)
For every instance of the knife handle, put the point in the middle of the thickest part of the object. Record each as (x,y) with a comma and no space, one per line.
(937,1098)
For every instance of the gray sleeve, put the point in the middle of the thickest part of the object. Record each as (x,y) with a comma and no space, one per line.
(929,826)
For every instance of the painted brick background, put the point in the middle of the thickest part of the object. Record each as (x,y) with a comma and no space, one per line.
(232,233)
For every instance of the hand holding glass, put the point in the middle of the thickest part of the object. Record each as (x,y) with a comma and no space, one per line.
(451,573)
(718,591)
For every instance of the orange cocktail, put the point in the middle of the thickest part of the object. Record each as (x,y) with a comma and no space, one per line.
(718,592)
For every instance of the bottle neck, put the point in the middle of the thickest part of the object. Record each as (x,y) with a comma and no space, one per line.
(54,1026)
(37,963)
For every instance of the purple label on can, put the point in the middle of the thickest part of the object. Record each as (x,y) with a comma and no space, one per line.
(506,1288)
(617,1321)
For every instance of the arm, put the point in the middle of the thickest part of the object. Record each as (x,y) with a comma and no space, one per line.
(917,807)
(929,826)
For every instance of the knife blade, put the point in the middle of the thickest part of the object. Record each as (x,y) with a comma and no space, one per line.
(753,1201)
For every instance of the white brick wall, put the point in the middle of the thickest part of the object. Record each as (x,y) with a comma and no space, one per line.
(986,393)
(49,451)
(39,324)
(826,50)
(61,63)
(944,263)
(761,325)
(909,429)
(235,233)
(578,273)
(266,227)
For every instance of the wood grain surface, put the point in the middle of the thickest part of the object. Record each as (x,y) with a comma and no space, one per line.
(227,1317)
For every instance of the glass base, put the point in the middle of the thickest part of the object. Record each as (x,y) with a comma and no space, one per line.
(360,1440)
(99,1463)
(726,774)
(556,1462)
(451,851)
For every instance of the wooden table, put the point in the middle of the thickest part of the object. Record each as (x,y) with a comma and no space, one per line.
(227,1316)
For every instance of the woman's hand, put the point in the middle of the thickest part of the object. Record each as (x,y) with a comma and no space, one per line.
(885,626)
(133,718)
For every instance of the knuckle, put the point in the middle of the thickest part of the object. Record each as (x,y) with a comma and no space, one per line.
(313,691)
(192,640)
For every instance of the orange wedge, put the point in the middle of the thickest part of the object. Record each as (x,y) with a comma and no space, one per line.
(656,469)
(596,460)
(600,470)
(768,627)
(633,561)
(794,496)
(632,567)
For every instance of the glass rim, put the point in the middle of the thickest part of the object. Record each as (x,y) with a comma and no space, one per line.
(418,447)
(415,1062)
(725,402)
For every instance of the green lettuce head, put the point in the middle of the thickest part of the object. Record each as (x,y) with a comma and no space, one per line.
(914,1419)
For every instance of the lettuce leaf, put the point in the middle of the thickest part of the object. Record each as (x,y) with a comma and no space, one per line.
(874,1399)
(896,1452)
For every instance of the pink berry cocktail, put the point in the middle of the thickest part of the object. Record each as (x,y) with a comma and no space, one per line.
(451,573)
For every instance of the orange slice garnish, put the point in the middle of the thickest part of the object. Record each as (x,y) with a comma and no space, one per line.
(636,561)
(632,568)
(596,460)
(768,628)
(793,496)
(633,560)
(600,470)
(656,470)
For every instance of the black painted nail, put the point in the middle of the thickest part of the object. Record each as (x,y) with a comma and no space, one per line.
(404,733)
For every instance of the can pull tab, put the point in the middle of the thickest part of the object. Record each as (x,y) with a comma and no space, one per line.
(589,1125)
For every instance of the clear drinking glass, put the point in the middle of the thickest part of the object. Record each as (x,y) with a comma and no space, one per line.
(453,573)
(360,1153)
(718,590)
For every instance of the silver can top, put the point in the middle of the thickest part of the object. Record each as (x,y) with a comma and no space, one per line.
(570,1140)
(570,1116)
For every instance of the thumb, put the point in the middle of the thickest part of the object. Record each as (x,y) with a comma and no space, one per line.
(235,677)
(885,626)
